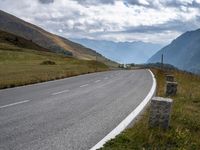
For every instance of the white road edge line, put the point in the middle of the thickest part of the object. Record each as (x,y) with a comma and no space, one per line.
(97,81)
(84,85)
(60,92)
(21,102)
(123,125)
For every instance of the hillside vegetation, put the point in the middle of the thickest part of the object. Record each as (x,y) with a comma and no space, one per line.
(11,41)
(47,40)
(21,66)
(185,121)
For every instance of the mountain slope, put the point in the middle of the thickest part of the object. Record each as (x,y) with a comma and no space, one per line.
(10,41)
(54,43)
(123,52)
(183,52)
(24,62)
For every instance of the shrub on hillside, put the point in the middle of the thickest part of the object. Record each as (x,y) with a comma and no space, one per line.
(48,62)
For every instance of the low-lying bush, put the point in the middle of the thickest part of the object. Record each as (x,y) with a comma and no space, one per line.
(48,62)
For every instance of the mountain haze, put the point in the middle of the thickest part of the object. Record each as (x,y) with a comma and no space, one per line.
(123,52)
(183,52)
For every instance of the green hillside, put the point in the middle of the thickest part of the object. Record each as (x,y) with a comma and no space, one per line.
(52,42)
(33,64)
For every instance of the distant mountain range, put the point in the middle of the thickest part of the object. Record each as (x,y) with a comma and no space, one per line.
(183,52)
(49,41)
(123,52)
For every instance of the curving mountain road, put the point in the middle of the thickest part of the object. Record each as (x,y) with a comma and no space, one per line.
(69,114)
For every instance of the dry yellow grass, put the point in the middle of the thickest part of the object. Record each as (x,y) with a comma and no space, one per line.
(184,130)
(22,66)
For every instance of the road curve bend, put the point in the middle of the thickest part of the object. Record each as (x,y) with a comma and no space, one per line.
(77,113)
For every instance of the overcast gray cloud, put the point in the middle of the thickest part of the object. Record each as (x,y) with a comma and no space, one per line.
(46,1)
(95,2)
(157,21)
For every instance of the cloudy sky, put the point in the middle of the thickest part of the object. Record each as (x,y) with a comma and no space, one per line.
(156,21)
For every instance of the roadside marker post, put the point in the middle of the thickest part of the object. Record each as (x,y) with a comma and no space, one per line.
(170,78)
(171,88)
(160,112)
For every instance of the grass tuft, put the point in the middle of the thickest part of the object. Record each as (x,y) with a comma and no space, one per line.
(48,62)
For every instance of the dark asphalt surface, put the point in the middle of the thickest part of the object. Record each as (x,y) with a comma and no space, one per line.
(69,114)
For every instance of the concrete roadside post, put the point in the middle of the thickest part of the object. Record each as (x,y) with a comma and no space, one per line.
(171,88)
(160,112)
(170,78)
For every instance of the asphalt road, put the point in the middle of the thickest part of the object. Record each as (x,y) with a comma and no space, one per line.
(69,114)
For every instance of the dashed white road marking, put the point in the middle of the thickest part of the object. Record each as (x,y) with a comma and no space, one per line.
(21,102)
(84,85)
(97,81)
(60,92)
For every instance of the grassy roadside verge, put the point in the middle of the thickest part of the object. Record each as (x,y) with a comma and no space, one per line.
(24,66)
(184,130)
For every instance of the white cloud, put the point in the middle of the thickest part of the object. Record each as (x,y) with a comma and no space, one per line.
(143,2)
(145,37)
(110,19)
